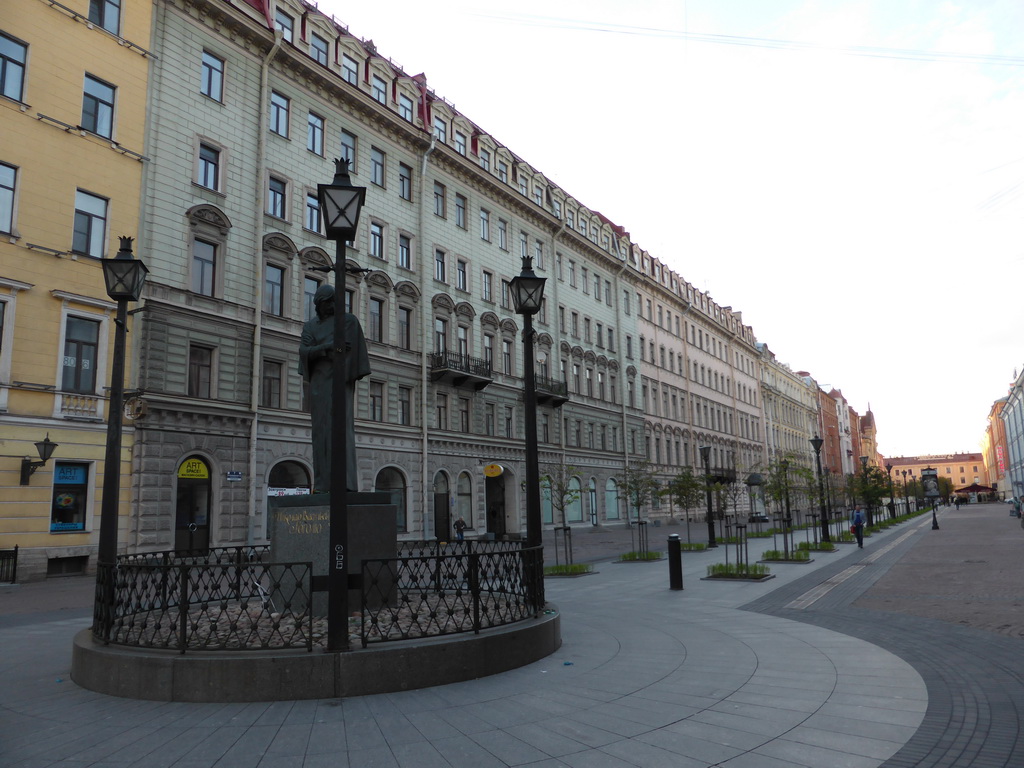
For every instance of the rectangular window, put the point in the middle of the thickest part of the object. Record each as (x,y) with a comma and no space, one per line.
(70,496)
(584,280)
(538,196)
(209,167)
(485,225)
(204,263)
(506,356)
(440,130)
(405,107)
(200,368)
(318,49)
(377,166)
(379,89)
(509,421)
(538,254)
(405,327)
(489,419)
(460,211)
(312,219)
(404,252)
(81,344)
(90,228)
(439,200)
(349,69)
(286,24)
(506,294)
(8,176)
(348,149)
(439,271)
(503,234)
(212,77)
(485,159)
(315,134)
(277,192)
(524,245)
(503,171)
(309,289)
(376,320)
(273,290)
(106,13)
(405,406)
(270,389)
(279,106)
(442,410)
(462,335)
(488,286)
(376,239)
(376,401)
(489,350)
(98,107)
(404,181)
(460,143)
(461,281)
(464,415)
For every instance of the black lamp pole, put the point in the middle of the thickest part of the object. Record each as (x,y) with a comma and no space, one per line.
(867,501)
(124,277)
(528,294)
(705,456)
(816,443)
(892,500)
(906,499)
(340,204)
(788,522)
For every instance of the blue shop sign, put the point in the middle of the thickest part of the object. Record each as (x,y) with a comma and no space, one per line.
(70,474)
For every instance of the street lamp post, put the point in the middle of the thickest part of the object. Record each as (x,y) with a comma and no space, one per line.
(892,500)
(867,501)
(705,456)
(527,295)
(124,277)
(906,499)
(787,523)
(816,443)
(340,204)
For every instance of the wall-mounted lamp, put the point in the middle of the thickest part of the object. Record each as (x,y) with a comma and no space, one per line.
(28,467)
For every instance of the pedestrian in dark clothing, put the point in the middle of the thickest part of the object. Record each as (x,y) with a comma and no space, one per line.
(857,523)
(460,527)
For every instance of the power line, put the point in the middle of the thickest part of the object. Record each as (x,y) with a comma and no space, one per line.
(905,54)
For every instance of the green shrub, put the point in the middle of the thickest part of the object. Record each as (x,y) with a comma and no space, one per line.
(796,554)
(632,557)
(737,571)
(822,546)
(576,569)
(692,546)
(758,535)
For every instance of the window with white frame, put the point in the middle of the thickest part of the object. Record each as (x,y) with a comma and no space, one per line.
(81,352)
(315,134)
(310,285)
(312,217)
(270,385)
(376,401)
(286,24)
(439,265)
(405,181)
(461,280)
(377,239)
(405,328)
(98,107)
(439,199)
(440,129)
(405,251)
(318,49)
(405,107)
(485,159)
(379,89)
(503,234)
(13,55)
(279,106)
(273,289)
(90,226)
(211,81)
(209,166)
(349,69)
(106,14)
(503,171)
(485,225)
(377,159)
(8,178)
(348,149)
(460,142)
(376,329)
(204,267)
(487,286)
(277,197)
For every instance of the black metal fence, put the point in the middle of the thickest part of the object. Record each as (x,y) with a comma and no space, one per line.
(230,599)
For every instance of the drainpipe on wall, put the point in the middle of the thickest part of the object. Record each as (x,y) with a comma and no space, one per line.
(255,505)
(425,326)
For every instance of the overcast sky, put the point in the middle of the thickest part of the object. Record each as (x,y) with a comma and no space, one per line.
(849,174)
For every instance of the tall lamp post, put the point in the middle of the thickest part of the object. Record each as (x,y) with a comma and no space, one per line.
(527,295)
(124,277)
(705,457)
(787,523)
(906,499)
(867,501)
(892,500)
(816,443)
(340,204)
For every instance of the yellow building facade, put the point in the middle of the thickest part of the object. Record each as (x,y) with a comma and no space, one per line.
(72,116)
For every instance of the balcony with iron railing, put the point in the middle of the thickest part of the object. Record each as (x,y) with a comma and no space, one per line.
(460,370)
(551,391)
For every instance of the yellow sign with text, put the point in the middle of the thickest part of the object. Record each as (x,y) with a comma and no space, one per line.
(194,469)
(493,470)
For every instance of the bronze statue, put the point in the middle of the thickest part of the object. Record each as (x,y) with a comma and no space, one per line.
(316,364)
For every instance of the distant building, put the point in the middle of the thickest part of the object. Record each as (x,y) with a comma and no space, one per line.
(961,469)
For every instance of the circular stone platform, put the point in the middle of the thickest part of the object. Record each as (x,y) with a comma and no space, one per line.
(228,676)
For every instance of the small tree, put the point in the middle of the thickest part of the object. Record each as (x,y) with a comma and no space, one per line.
(687,490)
(639,485)
(870,487)
(556,482)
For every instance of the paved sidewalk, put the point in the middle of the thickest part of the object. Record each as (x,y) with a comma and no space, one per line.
(721,674)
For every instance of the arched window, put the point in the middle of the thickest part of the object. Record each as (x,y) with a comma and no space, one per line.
(592,500)
(464,503)
(390,480)
(574,512)
(611,499)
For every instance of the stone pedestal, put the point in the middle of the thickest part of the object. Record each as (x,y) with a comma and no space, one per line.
(300,531)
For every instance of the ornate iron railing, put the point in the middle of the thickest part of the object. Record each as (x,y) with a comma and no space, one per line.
(230,599)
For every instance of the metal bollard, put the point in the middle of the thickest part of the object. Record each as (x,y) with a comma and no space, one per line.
(675,562)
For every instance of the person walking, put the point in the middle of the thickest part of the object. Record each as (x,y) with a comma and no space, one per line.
(460,527)
(857,523)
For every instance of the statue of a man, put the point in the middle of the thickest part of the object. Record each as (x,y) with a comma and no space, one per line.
(316,364)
